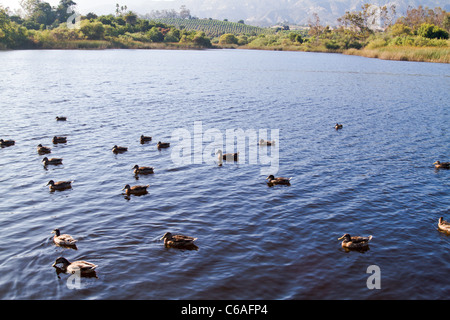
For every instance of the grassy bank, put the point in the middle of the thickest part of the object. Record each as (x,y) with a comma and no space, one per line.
(402,53)
(112,44)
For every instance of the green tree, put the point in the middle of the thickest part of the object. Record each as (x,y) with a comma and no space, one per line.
(201,39)
(228,38)
(43,14)
(155,35)
(431,31)
(64,10)
(399,29)
(131,18)
(93,30)
(12,35)
(295,37)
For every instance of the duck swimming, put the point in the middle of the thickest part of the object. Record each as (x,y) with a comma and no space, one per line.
(442,165)
(7,143)
(42,150)
(61,118)
(60,185)
(163,145)
(178,241)
(271,180)
(52,161)
(443,225)
(355,242)
(263,142)
(142,170)
(145,139)
(338,126)
(56,140)
(81,266)
(227,156)
(117,149)
(63,239)
(136,190)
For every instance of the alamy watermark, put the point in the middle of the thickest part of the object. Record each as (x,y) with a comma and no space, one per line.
(205,146)
(74,280)
(74,21)
(374,280)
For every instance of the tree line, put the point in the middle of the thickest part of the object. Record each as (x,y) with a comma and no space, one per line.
(42,25)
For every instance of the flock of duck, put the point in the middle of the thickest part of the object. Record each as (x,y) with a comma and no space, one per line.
(173,240)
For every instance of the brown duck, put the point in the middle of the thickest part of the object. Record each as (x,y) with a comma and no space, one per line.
(60,185)
(178,240)
(57,140)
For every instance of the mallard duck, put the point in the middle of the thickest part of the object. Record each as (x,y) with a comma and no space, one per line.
(443,225)
(117,149)
(338,126)
(136,190)
(61,118)
(355,242)
(178,240)
(442,165)
(145,139)
(263,142)
(163,145)
(52,161)
(7,143)
(227,156)
(81,266)
(42,150)
(56,140)
(63,239)
(142,170)
(279,180)
(60,185)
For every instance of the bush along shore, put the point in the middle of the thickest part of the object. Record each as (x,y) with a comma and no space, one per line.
(422,34)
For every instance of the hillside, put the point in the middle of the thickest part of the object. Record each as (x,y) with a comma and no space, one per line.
(214,28)
(269,12)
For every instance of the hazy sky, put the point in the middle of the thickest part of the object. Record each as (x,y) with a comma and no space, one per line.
(97,6)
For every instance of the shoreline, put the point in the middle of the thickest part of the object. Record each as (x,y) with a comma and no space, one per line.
(397,53)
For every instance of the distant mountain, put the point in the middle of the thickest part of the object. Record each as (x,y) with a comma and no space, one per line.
(270,12)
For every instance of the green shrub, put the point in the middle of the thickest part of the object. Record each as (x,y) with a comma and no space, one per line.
(431,31)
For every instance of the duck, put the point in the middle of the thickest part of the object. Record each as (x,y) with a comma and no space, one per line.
(338,126)
(59,140)
(61,118)
(145,139)
(52,161)
(142,170)
(442,165)
(227,156)
(279,180)
(444,225)
(60,185)
(178,240)
(81,266)
(117,149)
(7,143)
(42,150)
(163,145)
(355,242)
(63,239)
(136,190)
(263,142)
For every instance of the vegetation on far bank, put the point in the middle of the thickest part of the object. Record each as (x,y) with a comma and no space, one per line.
(422,34)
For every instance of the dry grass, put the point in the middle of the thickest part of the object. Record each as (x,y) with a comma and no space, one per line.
(403,53)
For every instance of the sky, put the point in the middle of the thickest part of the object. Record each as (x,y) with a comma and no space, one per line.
(97,6)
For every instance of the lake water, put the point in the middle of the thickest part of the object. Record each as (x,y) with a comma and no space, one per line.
(373,177)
